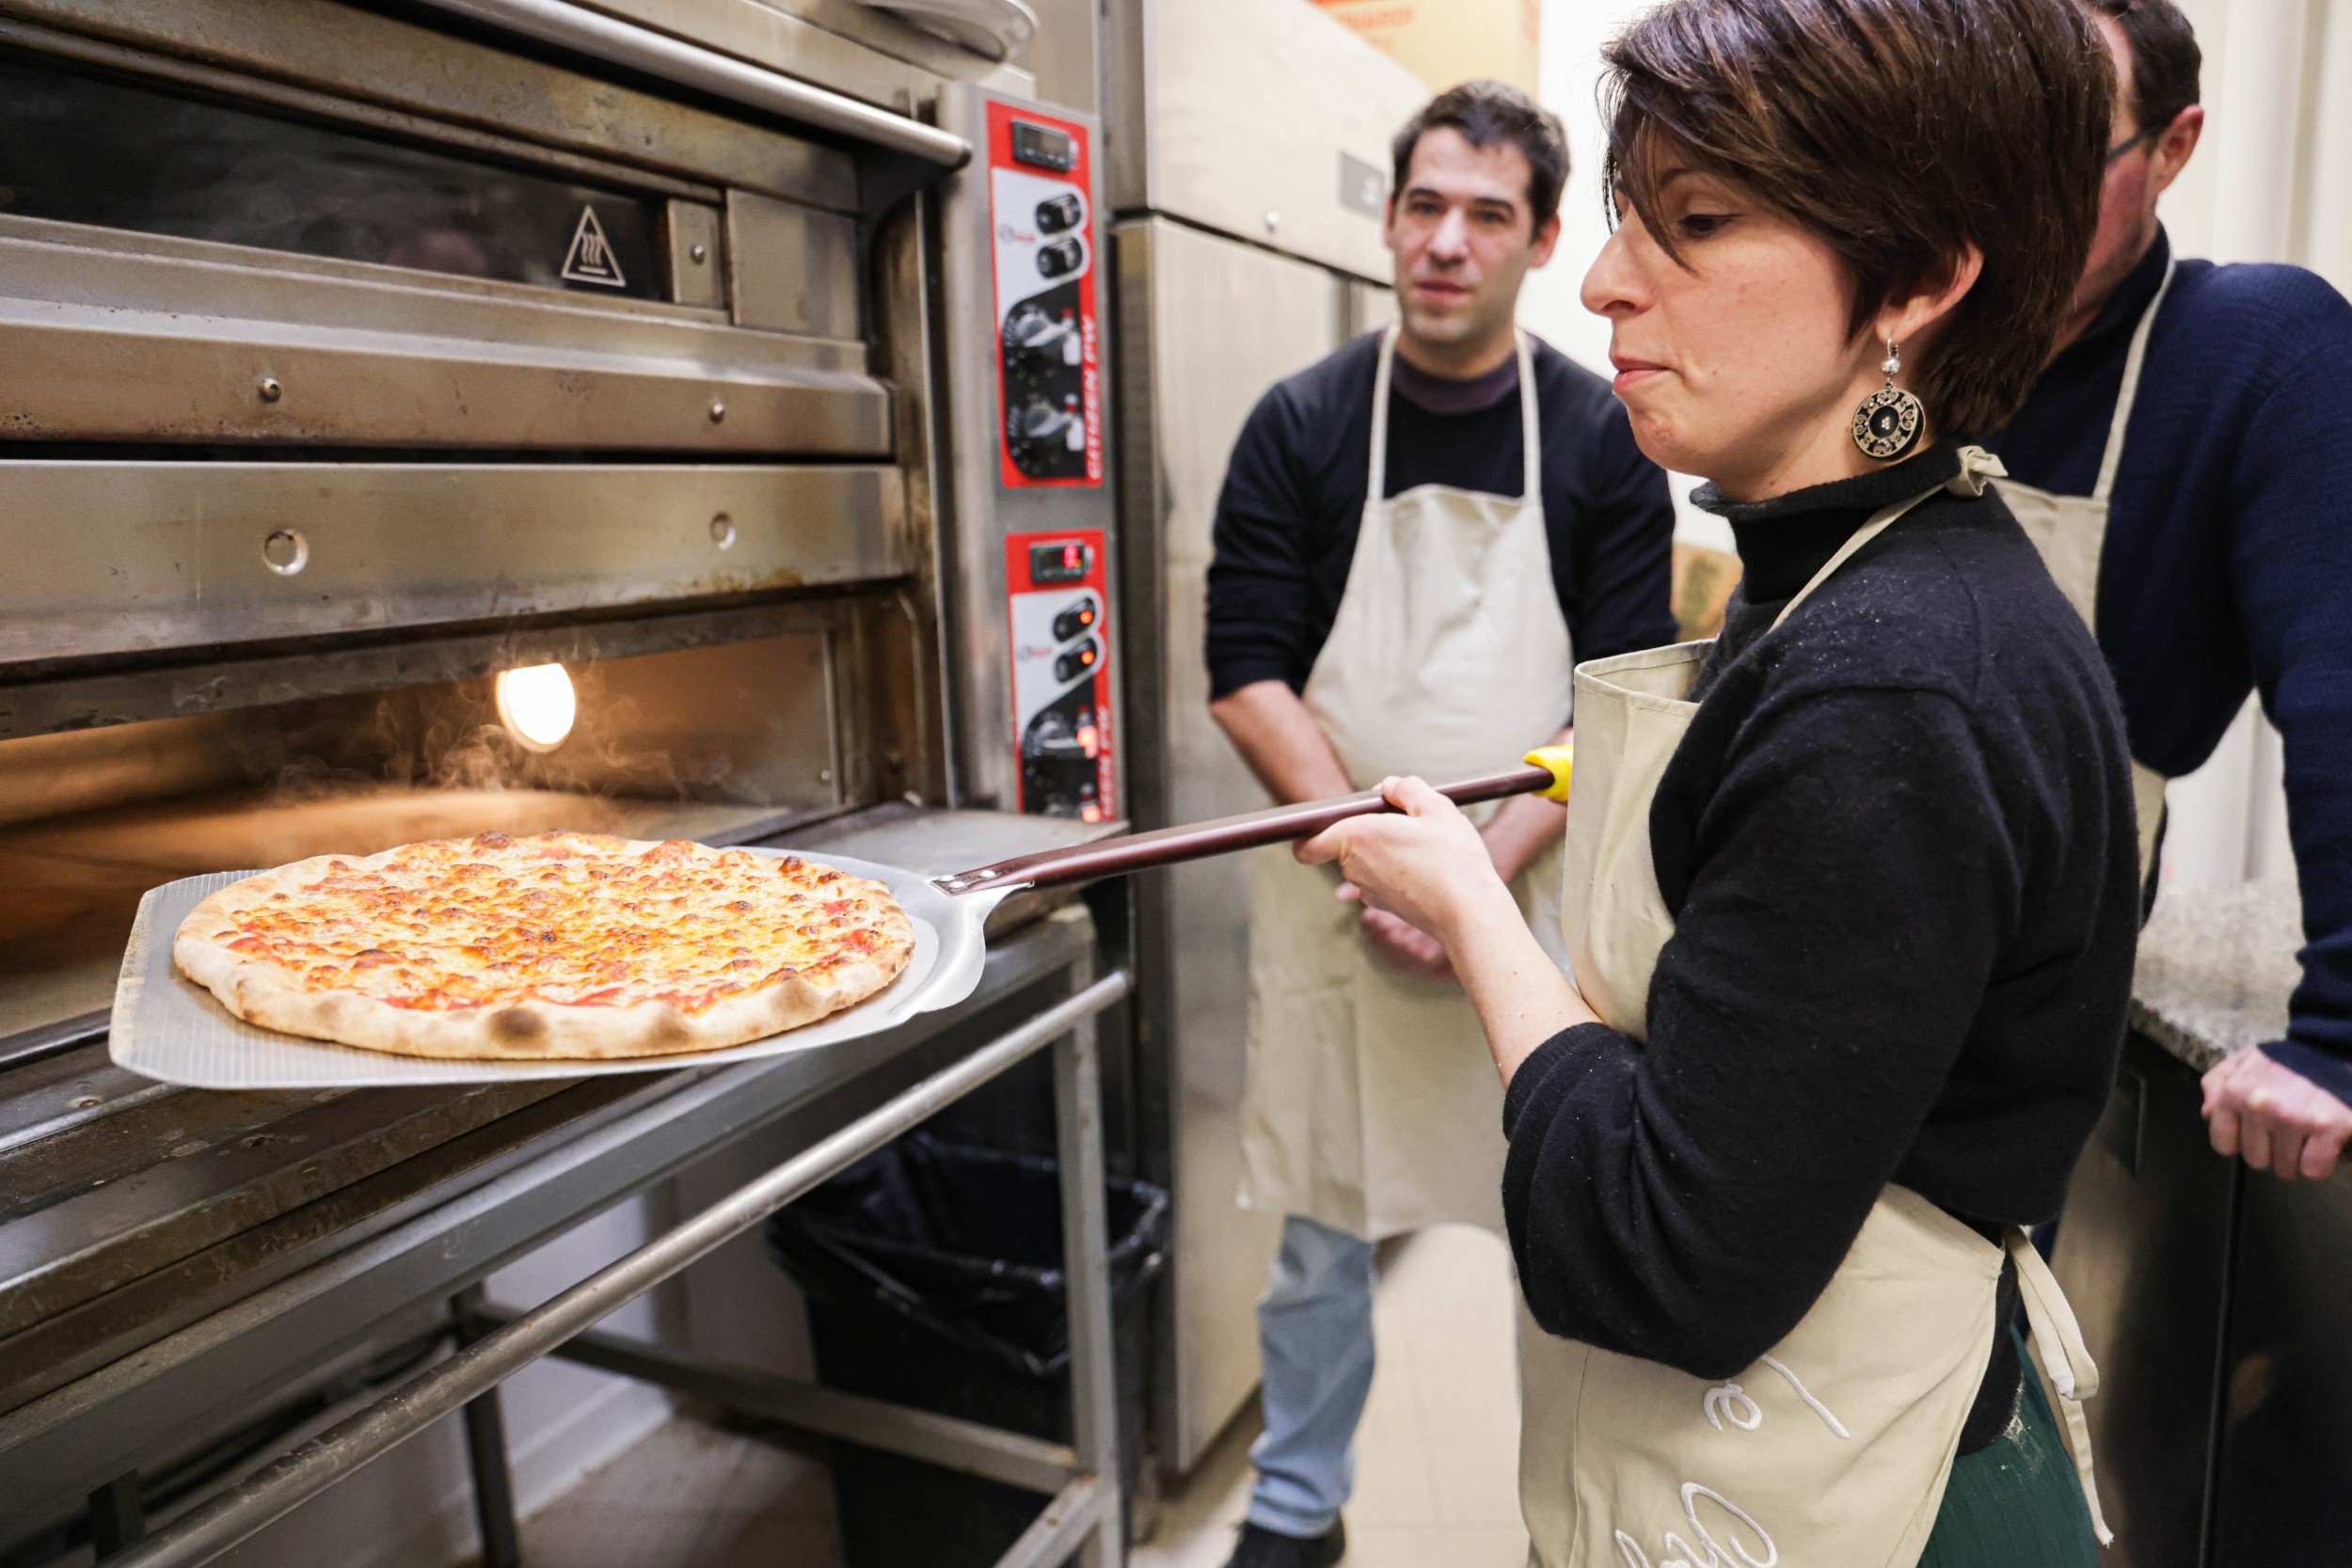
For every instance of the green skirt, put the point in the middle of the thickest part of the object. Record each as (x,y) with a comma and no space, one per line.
(2017,1502)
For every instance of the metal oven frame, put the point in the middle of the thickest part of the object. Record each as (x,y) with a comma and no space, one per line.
(191,409)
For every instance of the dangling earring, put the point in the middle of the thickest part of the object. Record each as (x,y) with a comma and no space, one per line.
(1887,423)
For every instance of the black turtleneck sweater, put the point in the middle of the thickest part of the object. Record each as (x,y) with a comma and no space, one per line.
(1898,844)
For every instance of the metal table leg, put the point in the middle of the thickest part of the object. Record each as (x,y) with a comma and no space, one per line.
(1085,1227)
(118,1517)
(486,1452)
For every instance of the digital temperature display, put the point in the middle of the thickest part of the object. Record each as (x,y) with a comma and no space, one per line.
(1041,148)
(1054,564)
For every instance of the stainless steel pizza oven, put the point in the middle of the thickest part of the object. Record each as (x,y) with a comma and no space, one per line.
(418,419)
(423,417)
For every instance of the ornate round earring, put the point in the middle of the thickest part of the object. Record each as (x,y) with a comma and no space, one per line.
(1887,423)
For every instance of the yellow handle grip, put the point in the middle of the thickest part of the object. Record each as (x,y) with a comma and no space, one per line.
(1559,761)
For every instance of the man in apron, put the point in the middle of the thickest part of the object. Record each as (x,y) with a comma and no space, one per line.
(2185,464)
(1416,539)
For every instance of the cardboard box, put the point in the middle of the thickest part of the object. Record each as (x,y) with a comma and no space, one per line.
(1702,581)
(1445,43)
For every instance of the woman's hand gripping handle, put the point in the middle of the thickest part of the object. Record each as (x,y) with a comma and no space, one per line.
(1427,865)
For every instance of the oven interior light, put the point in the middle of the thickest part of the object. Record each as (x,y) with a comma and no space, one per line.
(537,706)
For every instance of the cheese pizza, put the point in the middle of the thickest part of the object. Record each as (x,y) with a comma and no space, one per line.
(559,946)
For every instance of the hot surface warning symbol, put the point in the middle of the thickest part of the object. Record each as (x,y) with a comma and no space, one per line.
(591,258)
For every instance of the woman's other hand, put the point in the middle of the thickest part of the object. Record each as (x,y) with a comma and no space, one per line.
(1402,945)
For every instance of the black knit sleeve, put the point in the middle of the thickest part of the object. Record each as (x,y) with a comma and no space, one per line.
(1687,1200)
(2291,564)
(1258,583)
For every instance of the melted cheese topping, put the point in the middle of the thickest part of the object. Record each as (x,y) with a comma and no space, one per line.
(570,918)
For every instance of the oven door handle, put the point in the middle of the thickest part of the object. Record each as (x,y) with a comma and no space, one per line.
(995,29)
(657,54)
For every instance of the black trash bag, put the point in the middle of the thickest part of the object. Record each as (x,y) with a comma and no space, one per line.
(964,1242)
(933,1276)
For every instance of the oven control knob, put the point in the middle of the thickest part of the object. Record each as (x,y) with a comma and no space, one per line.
(1056,737)
(1058,214)
(1039,422)
(1035,340)
(1043,438)
(1077,661)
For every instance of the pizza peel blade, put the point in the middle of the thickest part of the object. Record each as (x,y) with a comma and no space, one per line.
(167,1027)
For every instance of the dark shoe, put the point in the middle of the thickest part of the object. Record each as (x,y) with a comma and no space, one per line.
(1259,1547)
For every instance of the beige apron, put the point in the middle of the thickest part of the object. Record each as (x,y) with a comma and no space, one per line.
(2070,532)
(1832,1452)
(1372,1104)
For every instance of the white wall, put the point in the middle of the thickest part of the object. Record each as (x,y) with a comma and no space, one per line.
(1573,33)
(2273,182)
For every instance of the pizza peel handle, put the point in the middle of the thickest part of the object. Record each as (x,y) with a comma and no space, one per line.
(1545,771)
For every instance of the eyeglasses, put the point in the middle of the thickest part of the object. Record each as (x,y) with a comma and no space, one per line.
(2115,154)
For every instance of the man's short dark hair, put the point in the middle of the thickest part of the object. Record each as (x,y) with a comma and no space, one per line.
(1900,132)
(2165,58)
(1488,113)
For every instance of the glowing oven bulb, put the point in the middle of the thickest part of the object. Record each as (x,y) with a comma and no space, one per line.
(537,706)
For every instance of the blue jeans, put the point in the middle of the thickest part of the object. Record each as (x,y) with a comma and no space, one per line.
(1314,1336)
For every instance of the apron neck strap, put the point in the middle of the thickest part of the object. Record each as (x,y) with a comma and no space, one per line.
(1531,427)
(1531,430)
(1976,468)
(1377,480)
(2112,459)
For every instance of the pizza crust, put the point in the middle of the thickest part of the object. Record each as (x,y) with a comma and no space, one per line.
(264,992)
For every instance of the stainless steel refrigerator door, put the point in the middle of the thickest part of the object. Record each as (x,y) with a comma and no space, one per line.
(1206,327)
(1268,123)
(1370,306)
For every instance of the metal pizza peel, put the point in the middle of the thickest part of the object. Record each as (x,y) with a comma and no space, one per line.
(165,1026)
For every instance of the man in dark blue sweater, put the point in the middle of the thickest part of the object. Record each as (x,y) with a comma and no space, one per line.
(2227,558)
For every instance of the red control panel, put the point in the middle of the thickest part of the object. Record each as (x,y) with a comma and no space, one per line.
(1058,600)
(1048,336)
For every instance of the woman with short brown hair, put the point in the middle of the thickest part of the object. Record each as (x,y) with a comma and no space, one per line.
(1851,890)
